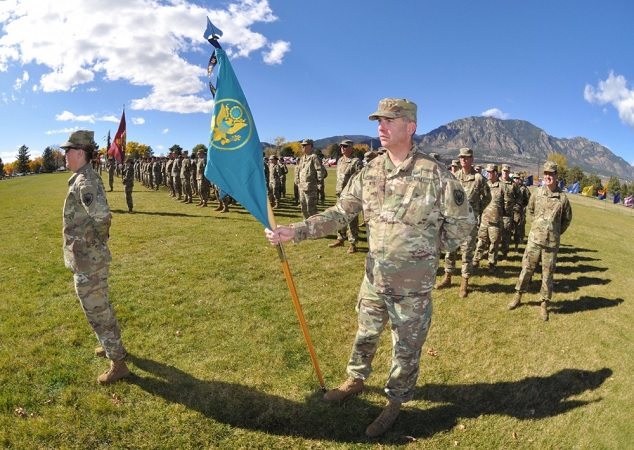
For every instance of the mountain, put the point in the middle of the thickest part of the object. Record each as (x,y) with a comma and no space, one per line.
(521,144)
(516,142)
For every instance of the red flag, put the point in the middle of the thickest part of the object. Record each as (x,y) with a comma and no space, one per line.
(117,148)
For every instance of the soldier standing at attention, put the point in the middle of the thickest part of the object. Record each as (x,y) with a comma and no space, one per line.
(308,176)
(86,231)
(412,207)
(203,183)
(176,174)
(112,166)
(168,174)
(321,188)
(284,172)
(478,196)
(128,182)
(347,167)
(519,212)
(552,215)
(490,231)
(186,182)
(275,181)
(511,195)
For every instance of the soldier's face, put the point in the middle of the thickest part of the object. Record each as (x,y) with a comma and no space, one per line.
(395,133)
(75,159)
(550,180)
(466,162)
(346,150)
(492,175)
(307,148)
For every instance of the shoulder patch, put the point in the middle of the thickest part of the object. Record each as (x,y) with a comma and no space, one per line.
(87,198)
(458,196)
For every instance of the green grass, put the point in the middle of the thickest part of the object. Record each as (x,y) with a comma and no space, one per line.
(219,360)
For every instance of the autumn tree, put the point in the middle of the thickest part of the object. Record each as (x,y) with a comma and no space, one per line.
(135,150)
(176,149)
(1,168)
(23,160)
(35,165)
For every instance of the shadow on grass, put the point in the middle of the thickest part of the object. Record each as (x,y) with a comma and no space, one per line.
(584,303)
(579,268)
(156,213)
(247,407)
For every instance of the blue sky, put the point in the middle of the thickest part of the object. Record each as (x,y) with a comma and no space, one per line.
(313,68)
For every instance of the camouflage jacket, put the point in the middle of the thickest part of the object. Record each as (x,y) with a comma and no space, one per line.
(494,211)
(176,168)
(128,175)
(551,213)
(476,188)
(346,168)
(200,168)
(168,167)
(86,224)
(524,195)
(156,168)
(186,167)
(308,173)
(412,211)
(511,196)
(275,175)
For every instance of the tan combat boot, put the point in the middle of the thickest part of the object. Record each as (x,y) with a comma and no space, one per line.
(445,283)
(117,371)
(337,243)
(100,352)
(385,420)
(464,284)
(351,386)
(219,208)
(516,301)
(352,249)
(543,311)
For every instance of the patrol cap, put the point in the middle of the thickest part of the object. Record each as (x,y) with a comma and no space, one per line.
(201,150)
(272,157)
(83,139)
(465,151)
(506,167)
(455,163)
(492,167)
(550,166)
(346,143)
(307,142)
(393,108)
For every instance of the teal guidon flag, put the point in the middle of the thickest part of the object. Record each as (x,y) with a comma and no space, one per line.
(234,160)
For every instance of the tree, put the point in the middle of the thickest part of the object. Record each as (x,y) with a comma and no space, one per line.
(360,150)
(562,164)
(574,174)
(614,185)
(197,147)
(135,150)
(176,149)
(592,180)
(295,149)
(23,160)
(48,161)
(1,168)
(333,151)
(35,165)
(287,151)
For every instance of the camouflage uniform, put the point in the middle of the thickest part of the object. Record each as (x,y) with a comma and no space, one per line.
(284,172)
(346,169)
(511,197)
(176,175)
(275,181)
(519,215)
(128,183)
(203,183)
(86,230)
(186,182)
(490,231)
(321,190)
(479,196)
(552,215)
(411,211)
(169,177)
(308,176)
(112,166)
(157,173)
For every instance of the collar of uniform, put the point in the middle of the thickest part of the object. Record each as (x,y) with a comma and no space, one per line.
(405,165)
(81,170)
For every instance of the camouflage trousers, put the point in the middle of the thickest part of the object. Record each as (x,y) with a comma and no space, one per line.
(187,188)
(170,185)
(507,230)
(92,290)
(128,197)
(532,254)
(519,227)
(178,187)
(308,201)
(410,319)
(204,187)
(467,248)
(488,242)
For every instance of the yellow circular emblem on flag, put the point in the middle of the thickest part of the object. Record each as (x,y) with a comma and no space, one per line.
(231,125)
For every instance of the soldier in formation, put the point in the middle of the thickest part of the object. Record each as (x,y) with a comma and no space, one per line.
(490,231)
(511,195)
(308,177)
(128,182)
(347,167)
(478,196)
(275,181)
(551,212)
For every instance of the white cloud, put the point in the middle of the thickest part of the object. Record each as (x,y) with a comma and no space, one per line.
(138,120)
(276,52)
(613,91)
(495,112)
(19,82)
(165,130)
(62,131)
(79,42)
(68,116)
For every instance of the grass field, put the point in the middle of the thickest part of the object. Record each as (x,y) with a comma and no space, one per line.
(219,361)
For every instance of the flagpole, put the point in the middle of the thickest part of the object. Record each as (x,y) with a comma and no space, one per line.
(298,307)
